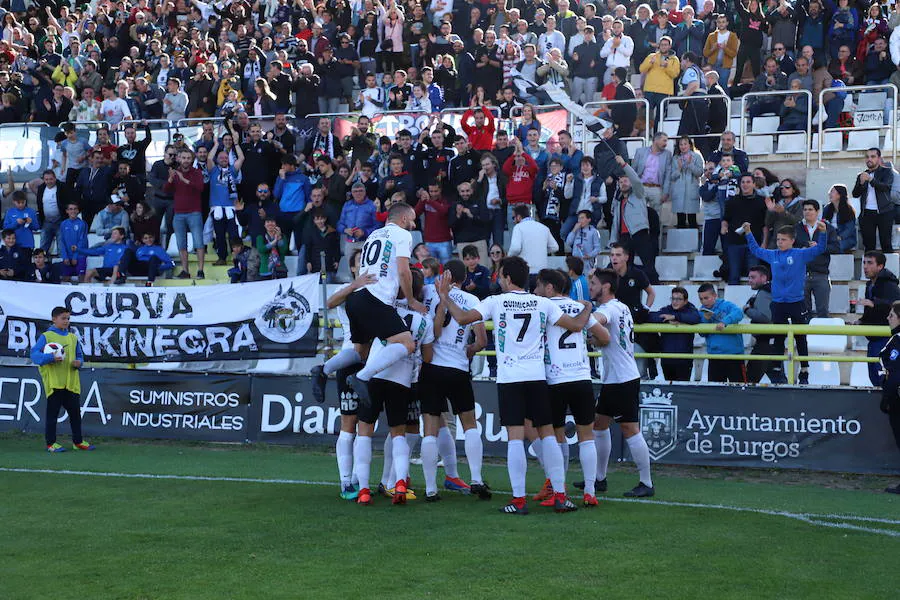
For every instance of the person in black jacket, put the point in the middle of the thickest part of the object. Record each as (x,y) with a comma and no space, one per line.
(306,91)
(623,115)
(52,199)
(890,389)
(680,311)
(322,238)
(818,284)
(135,152)
(873,188)
(881,293)
(54,109)
(15,261)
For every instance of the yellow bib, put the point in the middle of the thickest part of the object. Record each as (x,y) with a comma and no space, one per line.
(61,375)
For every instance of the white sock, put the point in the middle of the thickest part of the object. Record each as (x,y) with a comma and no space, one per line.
(474,454)
(412,440)
(553,464)
(538,451)
(344,451)
(362,460)
(603,441)
(381,360)
(401,458)
(387,471)
(640,453)
(447,449)
(587,453)
(517,465)
(564,448)
(429,463)
(341,360)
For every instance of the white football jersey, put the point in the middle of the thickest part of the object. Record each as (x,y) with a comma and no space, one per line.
(379,257)
(618,355)
(450,348)
(405,371)
(347,341)
(520,329)
(566,359)
(430,298)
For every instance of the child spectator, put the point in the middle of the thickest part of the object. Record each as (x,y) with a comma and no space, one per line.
(73,236)
(431,268)
(111,252)
(246,263)
(272,248)
(478,277)
(22,219)
(42,271)
(584,239)
(683,312)
(722,312)
(13,258)
(147,260)
(322,238)
(578,289)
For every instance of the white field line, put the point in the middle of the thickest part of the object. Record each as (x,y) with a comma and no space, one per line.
(815,519)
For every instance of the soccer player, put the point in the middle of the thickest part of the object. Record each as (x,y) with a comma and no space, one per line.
(569,376)
(619,398)
(521,320)
(344,363)
(446,378)
(371,309)
(391,388)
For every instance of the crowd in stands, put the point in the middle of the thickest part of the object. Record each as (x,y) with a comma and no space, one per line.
(494,186)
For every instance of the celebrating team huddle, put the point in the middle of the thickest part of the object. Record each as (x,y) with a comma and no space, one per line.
(407,347)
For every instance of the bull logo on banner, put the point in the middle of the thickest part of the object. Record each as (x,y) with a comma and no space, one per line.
(659,422)
(286,318)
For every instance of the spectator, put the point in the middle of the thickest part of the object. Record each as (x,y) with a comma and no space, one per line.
(722,313)
(741,160)
(145,260)
(551,204)
(52,200)
(585,192)
(531,240)
(585,60)
(579,286)
(873,188)
(72,238)
(660,70)
(175,101)
(521,175)
(818,284)
(436,230)
(186,185)
(623,115)
(689,35)
(323,240)
(292,192)
(76,154)
(758,310)
(111,252)
(745,207)
(878,66)
(630,223)
(470,221)
(491,189)
(110,218)
(357,219)
(794,110)
(653,165)
(144,220)
(843,28)
(722,182)
(55,109)
(752,29)
(481,133)
(693,83)
(555,70)
(684,183)
(224,179)
(812,27)
(839,214)
(478,277)
(679,311)
(14,259)
(844,67)
(584,239)
(41,269)
(272,248)
(881,292)
(769,81)
(22,220)
(782,212)
(617,50)
(246,263)
(720,50)
(398,180)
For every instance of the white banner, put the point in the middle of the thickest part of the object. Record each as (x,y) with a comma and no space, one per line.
(263,319)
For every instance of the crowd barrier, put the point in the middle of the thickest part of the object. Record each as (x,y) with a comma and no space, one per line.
(807,134)
(889,128)
(837,430)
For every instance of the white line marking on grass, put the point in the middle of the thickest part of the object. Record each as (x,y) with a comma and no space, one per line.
(820,520)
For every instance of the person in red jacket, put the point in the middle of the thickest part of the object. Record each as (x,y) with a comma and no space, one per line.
(436,231)
(521,171)
(481,134)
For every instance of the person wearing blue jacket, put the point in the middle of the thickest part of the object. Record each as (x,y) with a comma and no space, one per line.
(292,190)
(357,219)
(682,312)
(23,220)
(584,239)
(148,260)
(723,313)
(73,236)
(788,265)
(111,252)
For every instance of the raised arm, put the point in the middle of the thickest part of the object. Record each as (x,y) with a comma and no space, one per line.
(576,324)
(463,317)
(340,296)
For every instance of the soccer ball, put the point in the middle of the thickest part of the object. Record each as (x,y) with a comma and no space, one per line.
(55,349)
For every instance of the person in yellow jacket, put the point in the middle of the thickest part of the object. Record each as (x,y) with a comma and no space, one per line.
(64,74)
(660,69)
(62,382)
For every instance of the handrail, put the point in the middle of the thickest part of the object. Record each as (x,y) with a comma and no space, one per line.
(807,135)
(518,109)
(672,99)
(644,139)
(890,87)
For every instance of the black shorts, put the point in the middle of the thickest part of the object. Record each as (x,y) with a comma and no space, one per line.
(437,385)
(577,397)
(348,398)
(413,411)
(371,318)
(621,401)
(524,399)
(393,397)
(104,272)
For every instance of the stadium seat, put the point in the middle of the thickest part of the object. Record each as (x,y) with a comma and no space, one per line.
(834,141)
(848,103)
(871,101)
(632,146)
(755,145)
(673,112)
(862,140)
(557,262)
(791,143)
(95,240)
(824,373)
(892,263)
(842,267)
(172,249)
(670,128)
(693,297)
(826,344)
(682,240)
(672,268)
(663,296)
(859,375)
(704,267)
(735,123)
(738,294)
(291,262)
(94,262)
(839,301)
(765,124)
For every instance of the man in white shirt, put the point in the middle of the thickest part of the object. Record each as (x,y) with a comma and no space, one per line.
(114,109)
(617,50)
(552,38)
(619,398)
(520,322)
(532,240)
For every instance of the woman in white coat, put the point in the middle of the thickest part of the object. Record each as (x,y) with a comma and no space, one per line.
(684,178)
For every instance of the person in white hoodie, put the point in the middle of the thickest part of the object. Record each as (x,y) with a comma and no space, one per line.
(617,50)
(532,240)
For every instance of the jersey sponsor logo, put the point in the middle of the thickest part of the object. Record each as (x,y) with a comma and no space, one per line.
(790,260)
(894,353)
(659,422)
(286,318)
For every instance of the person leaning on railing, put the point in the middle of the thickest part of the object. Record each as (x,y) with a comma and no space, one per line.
(890,389)
(881,292)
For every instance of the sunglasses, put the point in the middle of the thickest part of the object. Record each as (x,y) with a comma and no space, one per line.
(495,253)
(787,187)
(262,190)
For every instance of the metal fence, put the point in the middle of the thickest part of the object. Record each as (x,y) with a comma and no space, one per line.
(890,128)
(807,134)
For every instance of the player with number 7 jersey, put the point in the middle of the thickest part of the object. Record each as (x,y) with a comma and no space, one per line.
(520,321)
